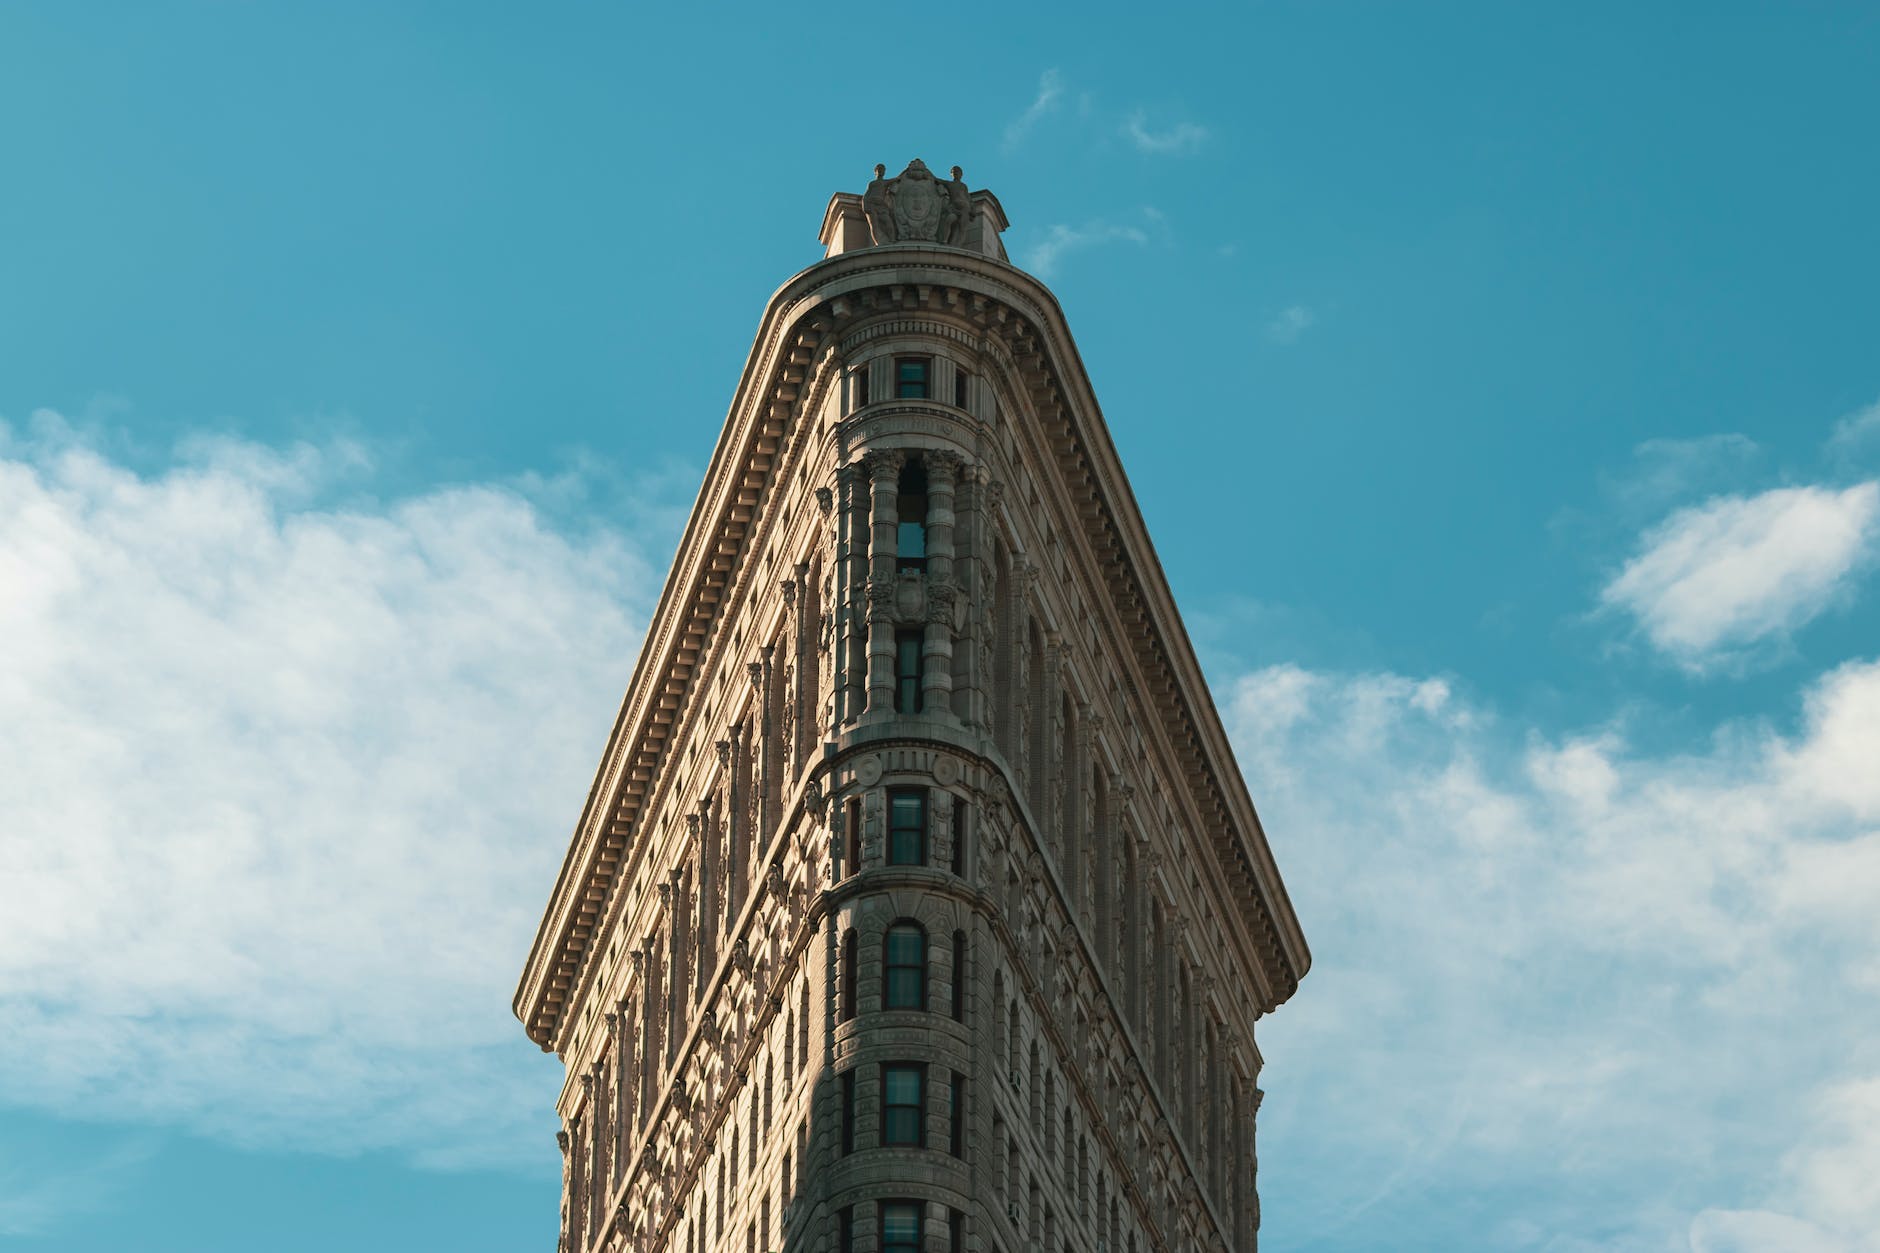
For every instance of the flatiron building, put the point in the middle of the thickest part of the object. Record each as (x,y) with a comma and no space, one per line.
(918,904)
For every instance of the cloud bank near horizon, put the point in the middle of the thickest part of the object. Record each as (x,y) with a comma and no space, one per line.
(297,765)
(285,781)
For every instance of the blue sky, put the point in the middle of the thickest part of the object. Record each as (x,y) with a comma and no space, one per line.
(1499,383)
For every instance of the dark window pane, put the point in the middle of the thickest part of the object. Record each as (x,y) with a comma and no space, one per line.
(907,828)
(910,377)
(900,1227)
(909,670)
(902,1105)
(904,989)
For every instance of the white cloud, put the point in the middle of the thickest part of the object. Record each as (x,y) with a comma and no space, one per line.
(1289,324)
(1042,257)
(1183,137)
(286,785)
(1857,431)
(1050,95)
(1628,995)
(1713,579)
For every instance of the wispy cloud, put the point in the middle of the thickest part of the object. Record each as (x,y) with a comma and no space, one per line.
(1593,957)
(1289,324)
(1858,431)
(286,783)
(1716,578)
(1042,258)
(1050,95)
(1182,137)
(37,1193)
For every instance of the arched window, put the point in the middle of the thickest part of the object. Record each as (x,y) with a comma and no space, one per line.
(904,967)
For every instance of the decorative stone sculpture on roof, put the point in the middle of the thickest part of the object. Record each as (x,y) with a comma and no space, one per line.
(914,207)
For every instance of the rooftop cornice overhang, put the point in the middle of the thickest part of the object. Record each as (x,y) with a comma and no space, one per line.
(823,299)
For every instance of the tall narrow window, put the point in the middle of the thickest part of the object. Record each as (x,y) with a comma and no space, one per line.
(845,1229)
(847,1006)
(904,967)
(959,976)
(860,396)
(956,1231)
(848,1112)
(907,828)
(903,1106)
(956,1116)
(910,671)
(910,377)
(960,380)
(910,503)
(900,1226)
(959,836)
(852,836)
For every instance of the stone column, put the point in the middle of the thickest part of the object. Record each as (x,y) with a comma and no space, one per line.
(942,588)
(884,471)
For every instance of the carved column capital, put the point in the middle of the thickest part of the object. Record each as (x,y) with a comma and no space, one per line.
(943,468)
(884,463)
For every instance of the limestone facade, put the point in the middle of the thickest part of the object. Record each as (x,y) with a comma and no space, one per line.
(917,904)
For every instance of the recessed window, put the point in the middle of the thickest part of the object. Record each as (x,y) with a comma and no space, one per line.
(852,836)
(910,377)
(960,380)
(909,671)
(956,1116)
(910,504)
(959,836)
(902,1106)
(904,967)
(907,828)
(858,393)
(900,1226)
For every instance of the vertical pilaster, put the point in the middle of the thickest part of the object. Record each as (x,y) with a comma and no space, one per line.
(943,470)
(884,469)
(850,593)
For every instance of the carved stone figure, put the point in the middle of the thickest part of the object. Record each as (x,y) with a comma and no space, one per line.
(958,211)
(878,205)
(917,204)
